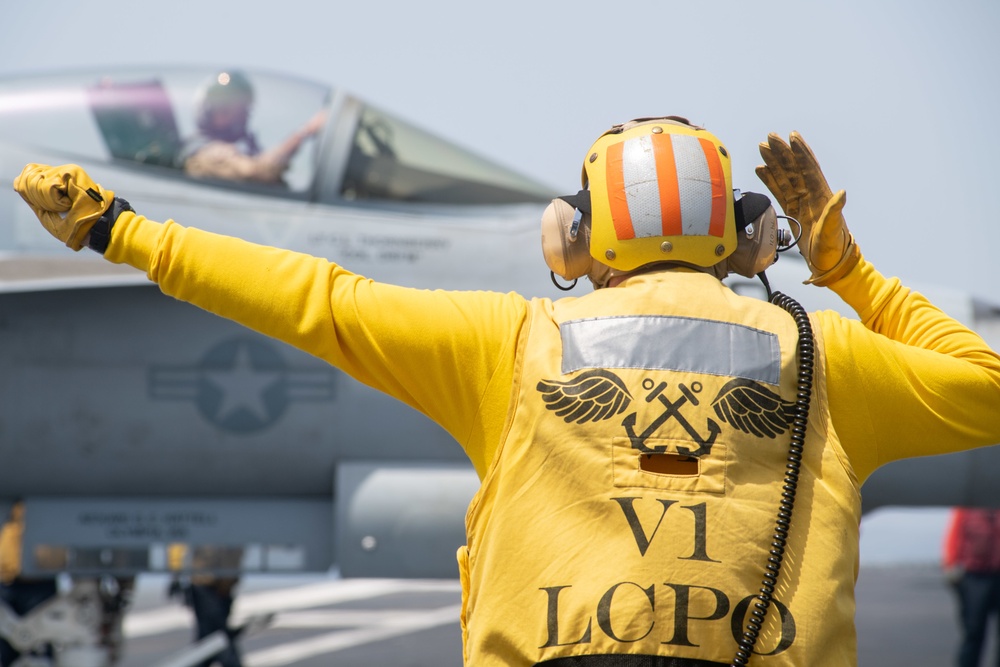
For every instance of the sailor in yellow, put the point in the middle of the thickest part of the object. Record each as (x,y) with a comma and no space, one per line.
(11,536)
(634,444)
(20,593)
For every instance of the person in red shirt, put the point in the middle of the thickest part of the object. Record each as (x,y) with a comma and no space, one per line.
(972,565)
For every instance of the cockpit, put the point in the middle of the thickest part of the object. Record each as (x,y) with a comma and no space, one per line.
(154,121)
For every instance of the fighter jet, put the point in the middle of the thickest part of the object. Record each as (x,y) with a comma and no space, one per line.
(134,426)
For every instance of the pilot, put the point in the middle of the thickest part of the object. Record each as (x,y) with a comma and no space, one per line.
(224,147)
(670,471)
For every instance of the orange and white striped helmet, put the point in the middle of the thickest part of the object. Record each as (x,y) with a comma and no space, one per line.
(660,190)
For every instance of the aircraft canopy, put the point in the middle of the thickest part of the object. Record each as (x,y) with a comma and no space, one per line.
(147,120)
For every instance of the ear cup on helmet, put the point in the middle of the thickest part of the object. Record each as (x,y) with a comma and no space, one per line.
(566,256)
(756,236)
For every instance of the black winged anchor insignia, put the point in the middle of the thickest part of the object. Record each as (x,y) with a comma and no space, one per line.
(599,394)
(753,408)
(590,396)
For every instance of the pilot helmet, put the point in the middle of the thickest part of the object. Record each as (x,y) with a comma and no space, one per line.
(225,90)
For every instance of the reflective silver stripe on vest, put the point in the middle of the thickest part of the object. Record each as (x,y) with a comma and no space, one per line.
(656,342)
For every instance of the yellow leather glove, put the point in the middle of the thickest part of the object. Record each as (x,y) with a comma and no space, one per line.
(65,199)
(792,174)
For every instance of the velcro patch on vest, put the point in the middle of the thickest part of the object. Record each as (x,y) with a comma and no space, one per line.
(668,343)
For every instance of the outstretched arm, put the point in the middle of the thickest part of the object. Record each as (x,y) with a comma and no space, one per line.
(447,354)
(907,380)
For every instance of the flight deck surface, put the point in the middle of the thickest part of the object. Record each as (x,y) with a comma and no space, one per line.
(905,617)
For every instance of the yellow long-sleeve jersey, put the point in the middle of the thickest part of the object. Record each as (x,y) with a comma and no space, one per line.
(905,380)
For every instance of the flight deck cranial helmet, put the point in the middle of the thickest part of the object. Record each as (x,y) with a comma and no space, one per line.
(655,190)
(225,90)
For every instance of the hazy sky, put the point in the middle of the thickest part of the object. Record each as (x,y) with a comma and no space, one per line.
(898,98)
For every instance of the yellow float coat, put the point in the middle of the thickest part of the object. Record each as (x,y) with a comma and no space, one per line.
(574,548)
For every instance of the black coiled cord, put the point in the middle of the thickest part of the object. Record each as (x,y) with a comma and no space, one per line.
(806,354)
